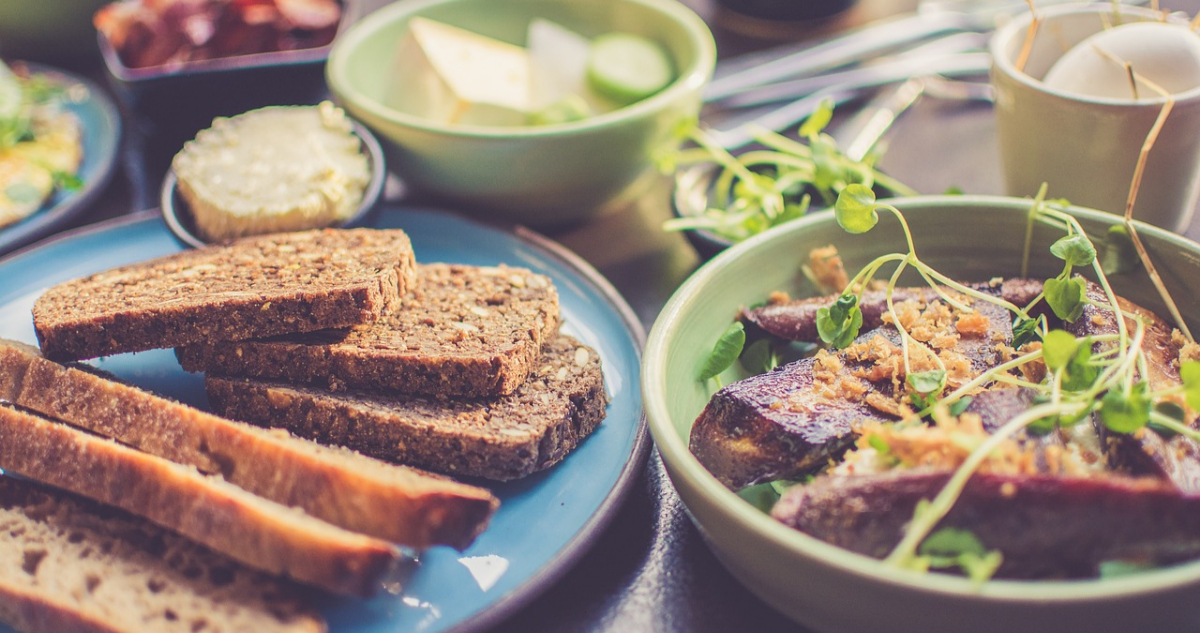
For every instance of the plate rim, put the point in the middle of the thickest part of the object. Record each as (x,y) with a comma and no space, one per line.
(45,220)
(593,528)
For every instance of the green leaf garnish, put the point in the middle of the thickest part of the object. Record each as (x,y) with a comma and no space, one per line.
(1065,297)
(758,357)
(727,349)
(1080,372)
(839,323)
(855,209)
(817,121)
(931,381)
(1025,331)
(960,405)
(1058,347)
(1075,249)
(1189,372)
(1126,413)
(951,547)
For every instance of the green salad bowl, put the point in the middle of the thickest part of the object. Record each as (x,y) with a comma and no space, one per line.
(829,589)
(549,175)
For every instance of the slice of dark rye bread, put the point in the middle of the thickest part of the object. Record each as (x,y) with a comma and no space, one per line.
(498,438)
(69,564)
(340,486)
(252,530)
(463,330)
(259,286)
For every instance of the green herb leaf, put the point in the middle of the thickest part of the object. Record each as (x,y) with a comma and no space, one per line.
(758,357)
(930,381)
(727,349)
(839,323)
(855,209)
(1058,348)
(951,547)
(69,182)
(1025,331)
(879,444)
(1120,255)
(1065,297)
(1119,568)
(817,121)
(1126,414)
(1170,410)
(1080,373)
(923,401)
(960,405)
(1189,372)
(1076,250)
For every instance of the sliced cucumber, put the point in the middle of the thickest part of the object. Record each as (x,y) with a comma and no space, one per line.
(627,68)
(570,108)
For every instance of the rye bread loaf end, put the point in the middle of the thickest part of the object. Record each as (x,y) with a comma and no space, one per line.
(499,438)
(463,331)
(260,533)
(254,287)
(69,564)
(337,485)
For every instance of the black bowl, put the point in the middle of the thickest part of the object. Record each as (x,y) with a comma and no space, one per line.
(178,216)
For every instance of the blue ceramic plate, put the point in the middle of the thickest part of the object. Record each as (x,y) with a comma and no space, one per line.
(101,139)
(545,522)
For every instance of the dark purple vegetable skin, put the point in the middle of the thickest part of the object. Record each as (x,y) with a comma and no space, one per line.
(1046,527)
(797,320)
(776,426)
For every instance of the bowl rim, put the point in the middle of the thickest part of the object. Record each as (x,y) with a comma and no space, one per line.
(171,202)
(1003,65)
(681,462)
(690,79)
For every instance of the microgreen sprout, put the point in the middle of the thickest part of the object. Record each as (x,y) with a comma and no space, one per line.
(762,188)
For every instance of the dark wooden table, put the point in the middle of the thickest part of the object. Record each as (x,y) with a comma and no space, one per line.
(650,570)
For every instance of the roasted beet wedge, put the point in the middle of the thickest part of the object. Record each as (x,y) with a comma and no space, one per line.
(1177,459)
(789,422)
(1046,527)
(797,320)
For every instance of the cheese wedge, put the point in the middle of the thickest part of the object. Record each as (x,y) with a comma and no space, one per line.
(451,75)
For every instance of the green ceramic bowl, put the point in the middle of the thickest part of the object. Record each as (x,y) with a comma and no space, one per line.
(830,589)
(543,175)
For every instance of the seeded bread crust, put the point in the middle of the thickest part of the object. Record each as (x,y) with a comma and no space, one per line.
(255,287)
(345,488)
(463,331)
(68,564)
(497,438)
(247,528)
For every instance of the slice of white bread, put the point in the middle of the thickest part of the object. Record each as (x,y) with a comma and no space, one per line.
(347,489)
(68,564)
(260,533)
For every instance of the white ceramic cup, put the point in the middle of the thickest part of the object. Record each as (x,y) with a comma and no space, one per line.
(1086,148)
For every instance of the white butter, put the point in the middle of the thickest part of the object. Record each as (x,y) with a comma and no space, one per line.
(272,169)
(1166,54)
(452,75)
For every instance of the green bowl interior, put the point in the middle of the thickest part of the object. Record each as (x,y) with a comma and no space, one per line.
(971,238)
(360,65)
